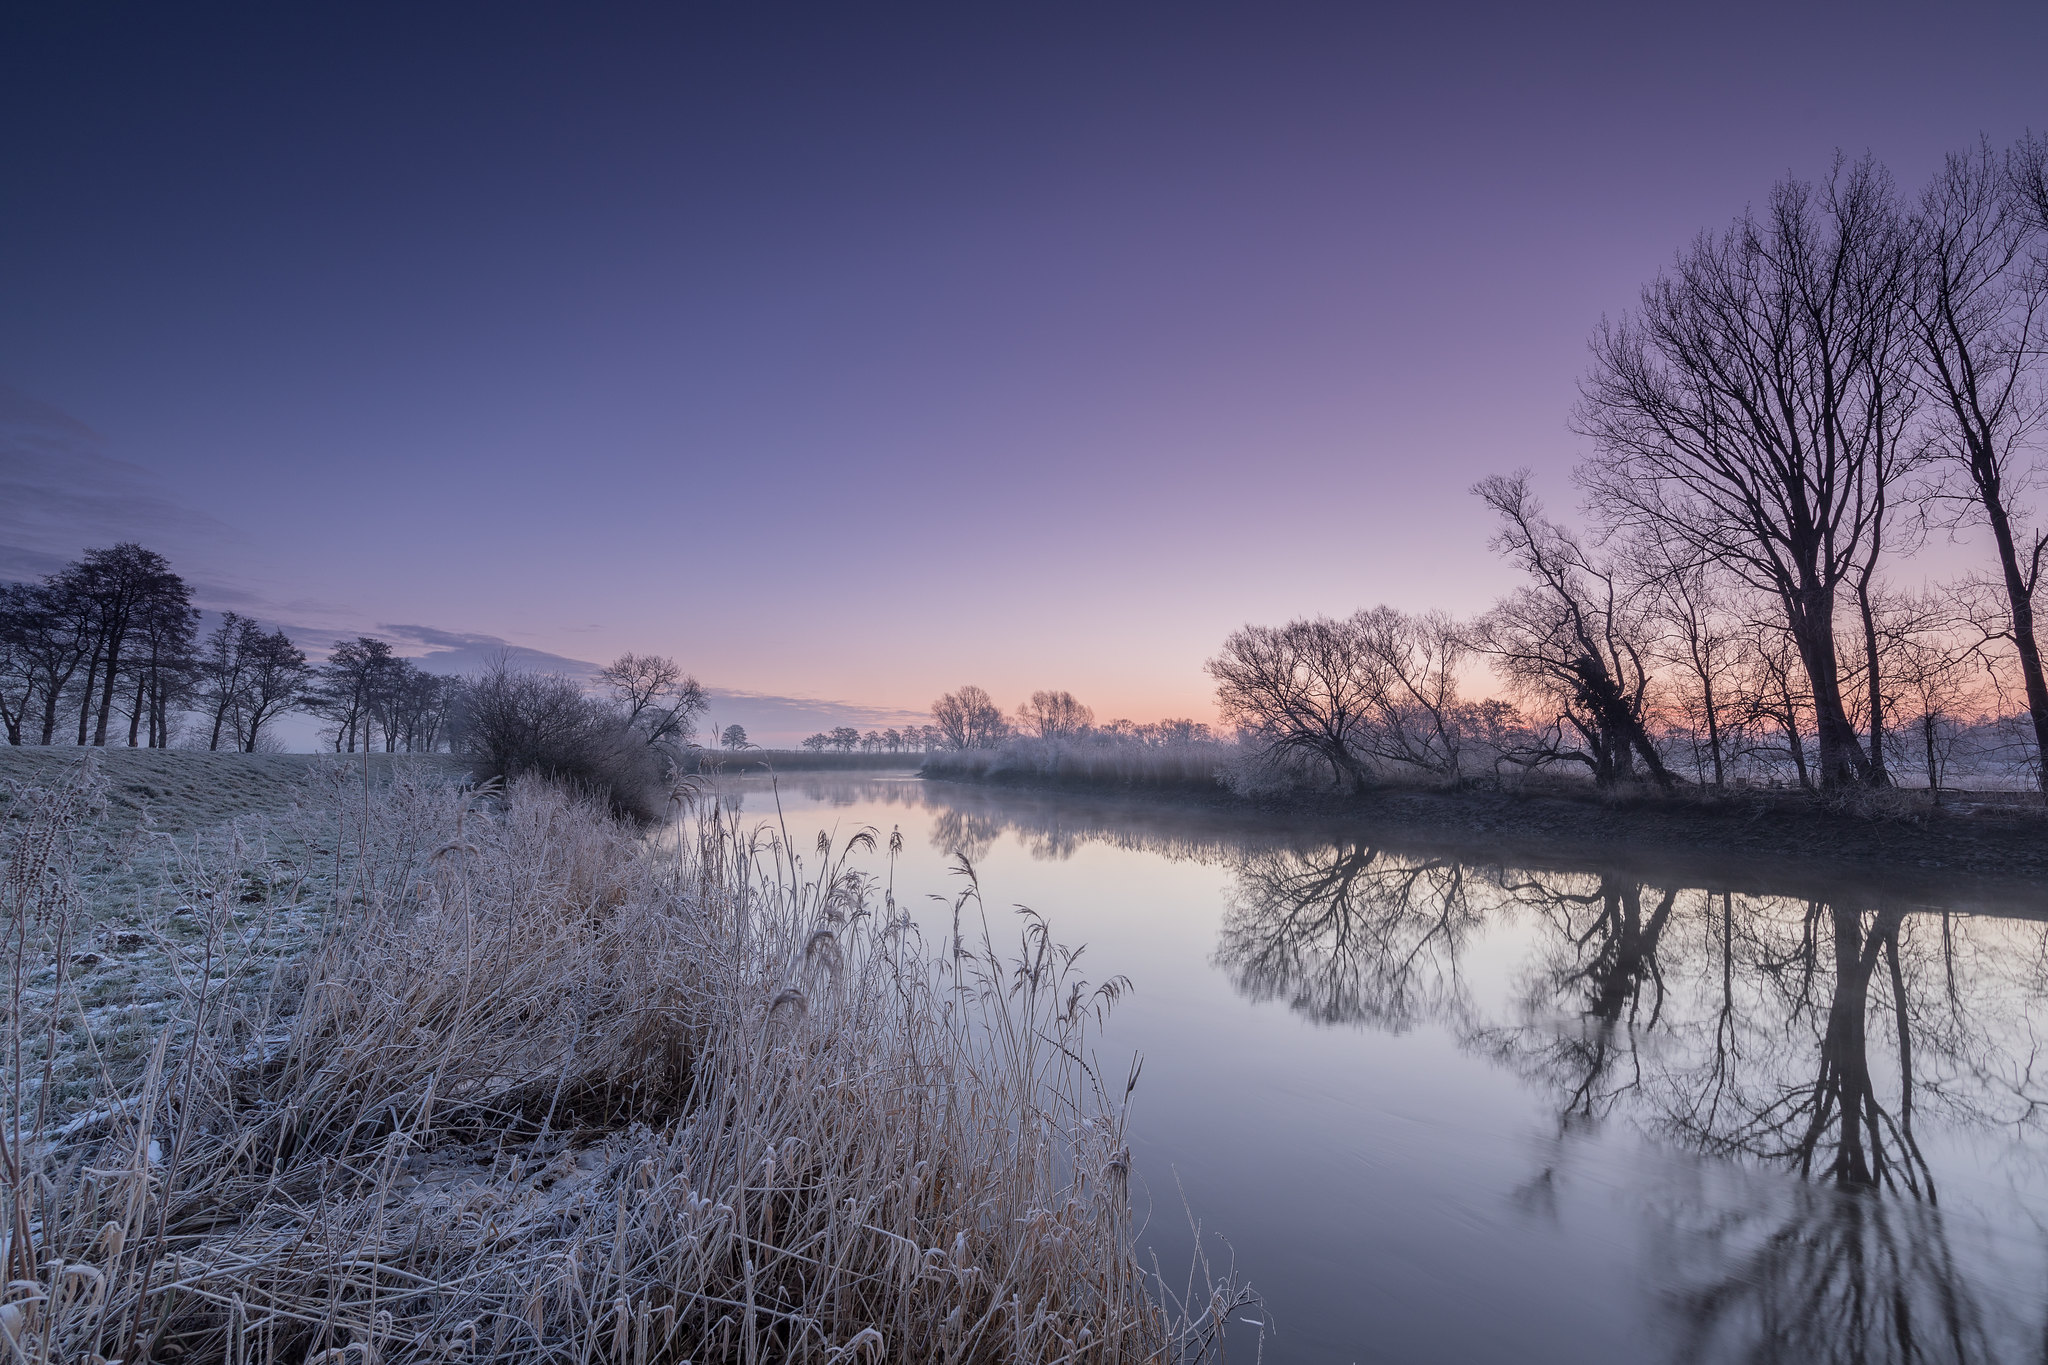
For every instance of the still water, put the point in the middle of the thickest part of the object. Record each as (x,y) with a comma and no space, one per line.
(1445,1108)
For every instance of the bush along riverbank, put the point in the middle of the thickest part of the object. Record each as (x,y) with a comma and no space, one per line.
(533,1085)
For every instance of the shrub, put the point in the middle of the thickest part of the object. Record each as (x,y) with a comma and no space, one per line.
(515,723)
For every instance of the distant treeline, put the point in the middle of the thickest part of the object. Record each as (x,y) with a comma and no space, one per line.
(802,760)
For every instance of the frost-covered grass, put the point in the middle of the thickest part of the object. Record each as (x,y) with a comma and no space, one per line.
(1089,763)
(434,1074)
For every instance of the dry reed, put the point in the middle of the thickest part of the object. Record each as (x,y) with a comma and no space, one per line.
(543,1092)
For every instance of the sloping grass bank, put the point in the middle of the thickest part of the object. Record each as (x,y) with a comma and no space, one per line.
(537,1088)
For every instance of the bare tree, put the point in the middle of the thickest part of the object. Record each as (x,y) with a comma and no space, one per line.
(123,588)
(1753,408)
(223,670)
(53,634)
(1936,683)
(969,719)
(19,677)
(1574,638)
(733,737)
(276,679)
(1769,689)
(1417,719)
(1054,715)
(659,699)
(1308,689)
(1981,323)
(1695,635)
(349,684)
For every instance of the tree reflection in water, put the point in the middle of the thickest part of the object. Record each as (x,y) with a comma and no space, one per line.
(1348,934)
(1798,1035)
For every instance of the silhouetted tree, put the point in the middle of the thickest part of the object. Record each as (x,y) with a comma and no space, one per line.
(120,589)
(1054,715)
(660,700)
(276,679)
(1574,638)
(1980,312)
(969,719)
(223,674)
(1307,688)
(348,687)
(160,661)
(733,737)
(1753,407)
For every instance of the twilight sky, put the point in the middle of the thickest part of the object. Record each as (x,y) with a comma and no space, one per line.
(852,353)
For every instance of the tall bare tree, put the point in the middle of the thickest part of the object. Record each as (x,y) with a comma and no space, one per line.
(969,719)
(122,587)
(276,679)
(660,701)
(1307,689)
(1753,407)
(1054,715)
(1575,637)
(1980,313)
(1695,636)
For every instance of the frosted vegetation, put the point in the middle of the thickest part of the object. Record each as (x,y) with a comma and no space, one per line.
(434,1072)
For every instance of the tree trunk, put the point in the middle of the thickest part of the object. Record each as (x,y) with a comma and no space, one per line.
(99,736)
(2019,594)
(1933,776)
(1713,729)
(92,681)
(1812,618)
(1879,776)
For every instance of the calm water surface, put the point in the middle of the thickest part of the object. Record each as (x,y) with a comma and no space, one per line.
(1447,1109)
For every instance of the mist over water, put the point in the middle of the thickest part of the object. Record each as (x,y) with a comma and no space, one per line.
(1440,1108)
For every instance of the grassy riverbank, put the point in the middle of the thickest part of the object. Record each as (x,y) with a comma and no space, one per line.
(426,1074)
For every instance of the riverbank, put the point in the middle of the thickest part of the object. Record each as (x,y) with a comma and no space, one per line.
(1991,848)
(418,1072)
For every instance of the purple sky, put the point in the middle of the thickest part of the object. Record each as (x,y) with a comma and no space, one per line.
(858,352)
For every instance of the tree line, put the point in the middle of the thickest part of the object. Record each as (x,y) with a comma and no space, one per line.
(109,650)
(971,719)
(1790,412)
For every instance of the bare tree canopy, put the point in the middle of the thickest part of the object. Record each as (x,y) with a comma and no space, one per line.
(1575,639)
(1753,406)
(658,698)
(969,719)
(1054,715)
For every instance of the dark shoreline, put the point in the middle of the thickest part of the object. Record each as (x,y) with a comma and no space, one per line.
(1758,842)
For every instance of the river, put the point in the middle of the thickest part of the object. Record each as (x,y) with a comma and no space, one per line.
(1434,1107)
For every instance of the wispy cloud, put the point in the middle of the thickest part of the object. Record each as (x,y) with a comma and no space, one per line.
(60,493)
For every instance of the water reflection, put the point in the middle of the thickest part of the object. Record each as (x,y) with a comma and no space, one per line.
(1800,1035)
(1832,1066)
(1348,934)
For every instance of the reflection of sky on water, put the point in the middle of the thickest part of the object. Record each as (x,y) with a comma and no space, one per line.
(1446,1110)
